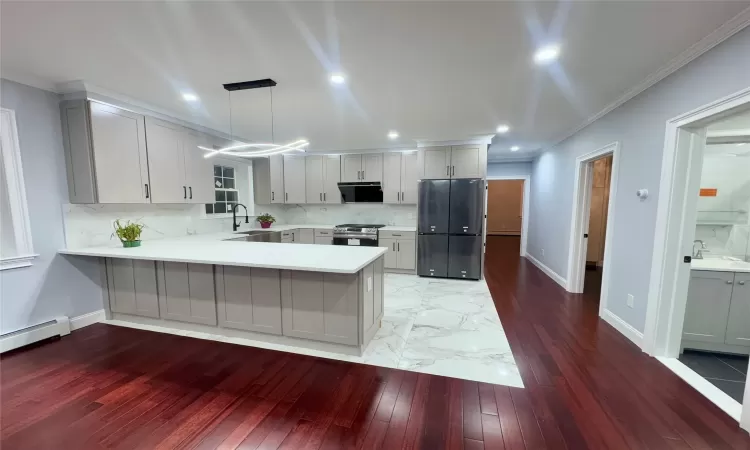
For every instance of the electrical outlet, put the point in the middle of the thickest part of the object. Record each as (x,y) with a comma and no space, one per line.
(631,300)
(369,284)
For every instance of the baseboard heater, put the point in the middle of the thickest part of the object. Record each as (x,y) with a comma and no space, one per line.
(35,333)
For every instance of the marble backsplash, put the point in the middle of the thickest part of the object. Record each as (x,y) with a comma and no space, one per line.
(91,225)
(403,215)
(725,240)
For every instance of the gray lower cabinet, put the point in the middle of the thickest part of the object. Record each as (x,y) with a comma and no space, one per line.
(402,252)
(132,287)
(304,236)
(187,292)
(707,311)
(320,306)
(249,299)
(738,326)
(323,237)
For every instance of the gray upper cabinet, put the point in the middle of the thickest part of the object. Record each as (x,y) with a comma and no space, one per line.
(105,153)
(400,177)
(268,179)
(294,179)
(460,161)
(132,287)
(707,311)
(199,171)
(738,326)
(364,167)
(186,292)
(314,179)
(332,177)
(165,160)
(249,299)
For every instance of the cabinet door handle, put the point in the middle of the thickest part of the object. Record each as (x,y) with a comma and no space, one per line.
(272,196)
(191,192)
(453,170)
(398,246)
(394,246)
(363,174)
(324,196)
(398,196)
(320,194)
(447,171)
(147,194)
(184,192)
(402,196)
(286,196)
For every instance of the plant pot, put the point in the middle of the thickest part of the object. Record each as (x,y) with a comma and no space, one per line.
(265,224)
(128,244)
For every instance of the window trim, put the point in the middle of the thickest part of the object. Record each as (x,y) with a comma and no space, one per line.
(236,189)
(19,213)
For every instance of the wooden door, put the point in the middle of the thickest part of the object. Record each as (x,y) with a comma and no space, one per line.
(436,162)
(199,171)
(738,327)
(504,207)
(597,231)
(707,310)
(249,299)
(120,156)
(409,178)
(372,167)
(465,161)
(392,178)
(276,175)
(166,161)
(351,168)
(294,179)
(332,176)
(314,177)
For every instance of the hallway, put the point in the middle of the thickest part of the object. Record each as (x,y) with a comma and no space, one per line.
(585,387)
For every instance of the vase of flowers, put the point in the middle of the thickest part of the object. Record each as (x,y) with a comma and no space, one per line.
(265,220)
(128,233)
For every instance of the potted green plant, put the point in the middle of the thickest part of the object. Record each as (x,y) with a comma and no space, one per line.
(265,220)
(128,233)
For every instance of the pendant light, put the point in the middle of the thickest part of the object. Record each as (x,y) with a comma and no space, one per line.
(254,150)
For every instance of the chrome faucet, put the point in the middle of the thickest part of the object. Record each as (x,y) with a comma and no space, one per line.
(236,225)
(699,254)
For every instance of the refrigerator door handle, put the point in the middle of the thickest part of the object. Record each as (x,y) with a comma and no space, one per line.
(447,170)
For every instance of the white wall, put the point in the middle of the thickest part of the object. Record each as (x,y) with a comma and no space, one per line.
(509,169)
(639,126)
(54,285)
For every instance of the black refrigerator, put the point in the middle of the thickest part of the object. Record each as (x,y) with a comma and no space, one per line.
(449,227)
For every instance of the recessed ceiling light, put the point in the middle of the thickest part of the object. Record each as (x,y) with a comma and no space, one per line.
(338,78)
(189,97)
(740,145)
(392,134)
(547,54)
(732,154)
(502,129)
(515,148)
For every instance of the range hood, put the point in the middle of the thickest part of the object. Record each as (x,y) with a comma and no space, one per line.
(361,192)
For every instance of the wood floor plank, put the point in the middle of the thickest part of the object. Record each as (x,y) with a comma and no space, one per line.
(585,387)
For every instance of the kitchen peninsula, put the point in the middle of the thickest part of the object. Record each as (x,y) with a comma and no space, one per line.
(318,296)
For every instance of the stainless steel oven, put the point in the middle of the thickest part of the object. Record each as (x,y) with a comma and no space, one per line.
(363,235)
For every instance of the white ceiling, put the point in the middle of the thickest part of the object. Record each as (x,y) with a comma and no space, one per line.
(431,70)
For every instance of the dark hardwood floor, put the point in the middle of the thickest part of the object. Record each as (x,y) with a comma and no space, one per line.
(586,387)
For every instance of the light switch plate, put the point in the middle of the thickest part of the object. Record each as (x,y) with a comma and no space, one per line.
(631,300)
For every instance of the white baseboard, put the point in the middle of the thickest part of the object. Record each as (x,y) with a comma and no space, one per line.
(623,327)
(86,319)
(550,273)
(35,333)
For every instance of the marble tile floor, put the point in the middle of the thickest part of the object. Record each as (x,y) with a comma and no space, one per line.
(435,326)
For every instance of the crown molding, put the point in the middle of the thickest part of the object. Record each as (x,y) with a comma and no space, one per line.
(716,37)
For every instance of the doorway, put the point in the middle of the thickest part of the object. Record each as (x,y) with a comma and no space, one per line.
(688,298)
(507,209)
(591,228)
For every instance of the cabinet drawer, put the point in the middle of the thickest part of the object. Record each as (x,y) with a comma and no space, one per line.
(323,233)
(286,234)
(408,235)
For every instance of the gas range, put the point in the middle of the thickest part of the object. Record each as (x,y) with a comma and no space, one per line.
(356,234)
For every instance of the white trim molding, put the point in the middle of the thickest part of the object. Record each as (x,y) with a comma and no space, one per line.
(580,219)
(13,176)
(84,320)
(627,330)
(549,272)
(526,205)
(719,35)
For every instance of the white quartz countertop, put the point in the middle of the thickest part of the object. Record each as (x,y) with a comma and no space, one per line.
(720,265)
(212,249)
